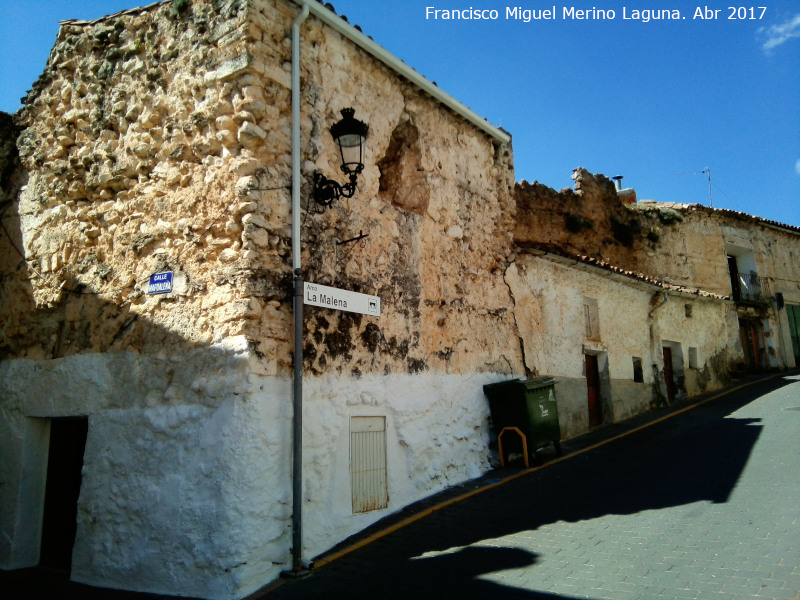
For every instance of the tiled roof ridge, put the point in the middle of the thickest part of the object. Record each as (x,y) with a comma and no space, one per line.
(645,204)
(558,251)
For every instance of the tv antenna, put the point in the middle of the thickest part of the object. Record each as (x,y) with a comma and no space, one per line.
(707,173)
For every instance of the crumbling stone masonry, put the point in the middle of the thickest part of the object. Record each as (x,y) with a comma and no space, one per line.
(158,139)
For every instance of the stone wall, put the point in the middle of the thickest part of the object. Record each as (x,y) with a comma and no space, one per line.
(435,201)
(159,139)
(591,220)
(682,245)
(127,177)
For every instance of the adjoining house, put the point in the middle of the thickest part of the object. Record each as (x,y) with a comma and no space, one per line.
(150,242)
(633,304)
(618,344)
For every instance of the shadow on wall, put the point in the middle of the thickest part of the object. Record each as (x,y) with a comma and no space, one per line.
(678,462)
(164,415)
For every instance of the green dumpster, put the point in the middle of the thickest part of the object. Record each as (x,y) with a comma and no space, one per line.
(529,405)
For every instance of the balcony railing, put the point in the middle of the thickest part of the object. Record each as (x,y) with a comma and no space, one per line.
(750,288)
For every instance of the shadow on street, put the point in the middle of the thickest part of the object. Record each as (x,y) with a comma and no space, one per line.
(694,457)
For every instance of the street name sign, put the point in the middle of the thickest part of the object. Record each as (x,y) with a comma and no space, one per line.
(160,283)
(329,297)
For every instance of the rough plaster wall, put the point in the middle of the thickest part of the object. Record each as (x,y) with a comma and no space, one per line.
(784,267)
(549,300)
(550,317)
(23,446)
(185,469)
(437,436)
(194,488)
(693,254)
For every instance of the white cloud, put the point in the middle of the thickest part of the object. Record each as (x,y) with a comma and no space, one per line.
(797,167)
(779,34)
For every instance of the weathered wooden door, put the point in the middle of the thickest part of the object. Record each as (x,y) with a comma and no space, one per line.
(669,375)
(593,390)
(751,334)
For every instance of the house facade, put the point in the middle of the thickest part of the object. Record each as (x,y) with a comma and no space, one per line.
(636,305)
(150,239)
(751,260)
(616,344)
(160,142)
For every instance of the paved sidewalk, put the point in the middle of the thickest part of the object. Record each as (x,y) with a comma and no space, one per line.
(703,503)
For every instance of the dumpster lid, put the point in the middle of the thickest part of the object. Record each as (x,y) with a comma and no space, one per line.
(498,386)
(529,384)
(538,382)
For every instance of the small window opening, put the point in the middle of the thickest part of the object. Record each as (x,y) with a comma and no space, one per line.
(693,358)
(591,314)
(638,374)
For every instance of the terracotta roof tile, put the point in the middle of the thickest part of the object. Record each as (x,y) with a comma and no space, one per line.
(557,251)
(741,216)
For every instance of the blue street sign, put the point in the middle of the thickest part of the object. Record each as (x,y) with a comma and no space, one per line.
(160,283)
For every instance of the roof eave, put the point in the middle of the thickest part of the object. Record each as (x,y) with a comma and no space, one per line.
(401,68)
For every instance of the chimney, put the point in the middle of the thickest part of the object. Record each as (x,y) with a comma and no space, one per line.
(626,195)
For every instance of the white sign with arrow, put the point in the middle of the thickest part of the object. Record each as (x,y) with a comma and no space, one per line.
(329,297)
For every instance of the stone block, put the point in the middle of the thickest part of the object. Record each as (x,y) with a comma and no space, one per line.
(250,134)
(230,68)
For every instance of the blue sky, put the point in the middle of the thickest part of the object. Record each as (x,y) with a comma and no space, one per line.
(655,101)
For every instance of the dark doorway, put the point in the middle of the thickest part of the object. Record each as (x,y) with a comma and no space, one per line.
(593,390)
(669,375)
(752,338)
(793,312)
(733,271)
(64,464)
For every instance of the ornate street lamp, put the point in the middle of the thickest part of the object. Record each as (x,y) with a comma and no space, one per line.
(349,134)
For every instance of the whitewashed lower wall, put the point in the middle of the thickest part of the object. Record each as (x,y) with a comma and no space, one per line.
(184,488)
(437,436)
(186,484)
